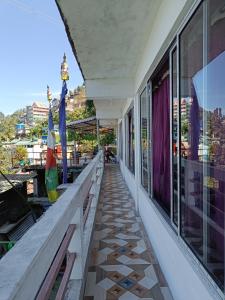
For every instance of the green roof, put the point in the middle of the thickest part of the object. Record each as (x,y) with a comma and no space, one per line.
(25,143)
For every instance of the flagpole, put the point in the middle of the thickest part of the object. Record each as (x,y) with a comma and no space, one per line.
(62,116)
(51,174)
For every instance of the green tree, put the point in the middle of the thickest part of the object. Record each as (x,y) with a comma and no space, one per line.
(107,138)
(20,155)
(2,116)
(37,130)
(8,125)
(77,114)
(82,112)
(5,160)
(90,110)
(184,128)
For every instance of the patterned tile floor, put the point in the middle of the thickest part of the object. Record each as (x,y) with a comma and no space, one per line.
(122,265)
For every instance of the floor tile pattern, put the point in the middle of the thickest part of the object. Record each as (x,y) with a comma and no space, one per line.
(122,264)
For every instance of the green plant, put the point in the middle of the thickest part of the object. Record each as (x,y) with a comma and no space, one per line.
(107,138)
(20,155)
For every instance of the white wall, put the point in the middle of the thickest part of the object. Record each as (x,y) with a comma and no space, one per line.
(130,179)
(109,88)
(109,109)
(128,176)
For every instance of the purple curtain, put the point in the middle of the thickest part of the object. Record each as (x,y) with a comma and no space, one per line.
(161,145)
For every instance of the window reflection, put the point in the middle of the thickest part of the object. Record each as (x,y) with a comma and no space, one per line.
(121,140)
(144,141)
(203,137)
(174,150)
(131,151)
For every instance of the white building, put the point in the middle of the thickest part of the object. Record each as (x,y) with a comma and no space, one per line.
(36,112)
(136,56)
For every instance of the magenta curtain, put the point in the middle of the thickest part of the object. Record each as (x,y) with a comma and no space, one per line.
(161,145)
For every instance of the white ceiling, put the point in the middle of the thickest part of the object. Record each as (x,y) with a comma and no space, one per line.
(108,36)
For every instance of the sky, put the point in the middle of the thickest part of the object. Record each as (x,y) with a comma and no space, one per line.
(211,91)
(32,43)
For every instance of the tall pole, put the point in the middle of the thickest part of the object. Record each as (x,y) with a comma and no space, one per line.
(63,141)
(62,116)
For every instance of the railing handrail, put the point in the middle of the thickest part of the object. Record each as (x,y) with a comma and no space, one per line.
(23,268)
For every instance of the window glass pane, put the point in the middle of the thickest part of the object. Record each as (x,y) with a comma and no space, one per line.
(130,144)
(121,140)
(149,99)
(203,136)
(191,41)
(212,99)
(175,156)
(144,140)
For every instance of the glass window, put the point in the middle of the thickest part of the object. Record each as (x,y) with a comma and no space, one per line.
(144,117)
(121,140)
(130,141)
(202,89)
(191,41)
(174,150)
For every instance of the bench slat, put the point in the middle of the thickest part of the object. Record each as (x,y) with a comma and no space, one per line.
(69,266)
(48,283)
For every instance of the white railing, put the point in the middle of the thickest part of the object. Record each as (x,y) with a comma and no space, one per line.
(24,267)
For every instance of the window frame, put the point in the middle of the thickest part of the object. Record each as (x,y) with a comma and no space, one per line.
(130,114)
(174,47)
(148,190)
(121,140)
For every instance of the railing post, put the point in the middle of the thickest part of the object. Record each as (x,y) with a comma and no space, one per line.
(76,244)
(92,192)
(96,179)
(100,168)
(35,187)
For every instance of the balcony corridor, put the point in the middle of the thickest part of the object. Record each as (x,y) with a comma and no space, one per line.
(122,263)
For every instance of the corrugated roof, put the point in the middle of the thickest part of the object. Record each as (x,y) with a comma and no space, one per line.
(87,125)
(14,179)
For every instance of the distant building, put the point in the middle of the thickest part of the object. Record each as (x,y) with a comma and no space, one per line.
(23,117)
(76,99)
(184,107)
(37,111)
(80,96)
(20,129)
(55,104)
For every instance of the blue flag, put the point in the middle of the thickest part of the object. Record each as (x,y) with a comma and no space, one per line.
(62,129)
